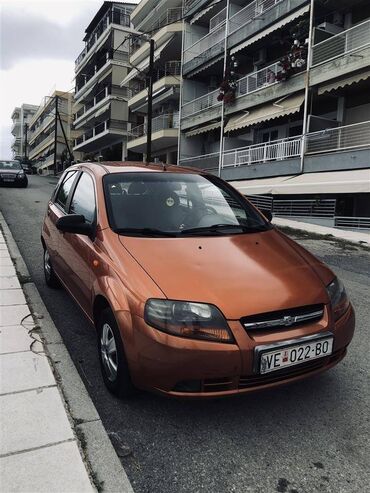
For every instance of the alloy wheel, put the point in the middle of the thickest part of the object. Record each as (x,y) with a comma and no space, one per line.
(108,350)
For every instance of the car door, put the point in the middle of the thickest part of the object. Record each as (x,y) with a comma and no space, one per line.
(76,248)
(56,208)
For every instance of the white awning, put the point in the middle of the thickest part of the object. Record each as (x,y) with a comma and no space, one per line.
(145,63)
(200,14)
(328,182)
(204,66)
(269,111)
(204,129)
(344,81)
(269,30)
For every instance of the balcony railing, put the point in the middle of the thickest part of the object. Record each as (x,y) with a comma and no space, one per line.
(171,68)
(218,19)
(161,122)
(346,42)
(250,13)
(305,208)
(207,42)
(115,15)
(200,104)
(258,80)
(263,153)
(205,162)
(114,125)
(339,139)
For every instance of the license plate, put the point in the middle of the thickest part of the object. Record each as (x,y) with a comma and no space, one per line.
(295,355)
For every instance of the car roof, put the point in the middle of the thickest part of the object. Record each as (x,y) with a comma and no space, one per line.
(106,167)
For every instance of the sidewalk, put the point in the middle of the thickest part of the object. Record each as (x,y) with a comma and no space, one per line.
(38,449)
(341,234)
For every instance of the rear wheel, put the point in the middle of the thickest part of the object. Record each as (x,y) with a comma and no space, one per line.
(113,362)
(50,278)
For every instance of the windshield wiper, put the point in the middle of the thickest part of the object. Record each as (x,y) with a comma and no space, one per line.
(145,232)
(217,228)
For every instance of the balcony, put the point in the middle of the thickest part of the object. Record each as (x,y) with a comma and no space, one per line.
(209,46)
(258,15)
(165,129)
(89,108)
(166,84)
(113,16)
(341,54)
(201,104)
(99,66)
(326,150)
(102,134)
(191,6)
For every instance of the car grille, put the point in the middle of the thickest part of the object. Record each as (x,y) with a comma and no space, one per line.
(7,175)
(283,318)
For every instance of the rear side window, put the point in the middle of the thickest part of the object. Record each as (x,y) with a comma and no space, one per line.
(65,187)
(83,200)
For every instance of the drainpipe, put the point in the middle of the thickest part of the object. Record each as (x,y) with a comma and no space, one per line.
(307,86)
(222,144)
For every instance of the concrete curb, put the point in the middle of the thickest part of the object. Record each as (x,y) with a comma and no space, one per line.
(101,459)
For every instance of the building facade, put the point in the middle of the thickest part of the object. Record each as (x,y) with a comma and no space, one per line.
(275,98)
(44,142)
(101,110)
(21,117)
(163,21)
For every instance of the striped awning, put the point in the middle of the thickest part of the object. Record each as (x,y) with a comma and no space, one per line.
(202,12)
(204,129)
(204,66)
(265,112)
(343,82)
(274,27)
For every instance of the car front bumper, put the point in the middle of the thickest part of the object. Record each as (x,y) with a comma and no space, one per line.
(185,368)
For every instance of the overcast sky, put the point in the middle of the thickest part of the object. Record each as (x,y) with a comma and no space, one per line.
(39,42)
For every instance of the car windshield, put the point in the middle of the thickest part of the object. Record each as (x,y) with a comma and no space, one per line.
(177,204)
(10,165)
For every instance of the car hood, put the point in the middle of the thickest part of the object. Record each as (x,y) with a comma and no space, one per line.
(241,274)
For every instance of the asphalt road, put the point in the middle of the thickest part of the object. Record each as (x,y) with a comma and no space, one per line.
(307,437)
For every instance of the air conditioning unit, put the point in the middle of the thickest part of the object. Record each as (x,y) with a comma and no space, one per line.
(259,58)
(330,28)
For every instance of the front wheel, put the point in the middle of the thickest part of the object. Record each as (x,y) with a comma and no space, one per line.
(50,278)
(113,362)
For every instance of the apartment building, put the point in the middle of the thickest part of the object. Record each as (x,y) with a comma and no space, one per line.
(21,117)
(276,99)
(163,21)
(44,142)
(101,110)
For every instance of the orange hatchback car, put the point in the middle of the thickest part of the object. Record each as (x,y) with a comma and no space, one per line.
(192,291)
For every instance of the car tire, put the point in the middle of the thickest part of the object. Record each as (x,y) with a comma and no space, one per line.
(50,277)
(112,357)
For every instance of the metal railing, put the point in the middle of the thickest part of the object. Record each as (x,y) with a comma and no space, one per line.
(171,67)
(101,127)
(202,103)
(205,43)
(347,222)
(262,153)
(161,122)
(218,19)
(205,162)
(339,138)
(115,15)
(262,202)
(250,13)
(351,40)
(258,79)
(305,208)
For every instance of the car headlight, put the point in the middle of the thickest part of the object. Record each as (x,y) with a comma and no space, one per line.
(188,319)
(338,298)
(20,174)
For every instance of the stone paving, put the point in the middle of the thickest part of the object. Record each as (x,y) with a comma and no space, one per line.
(38,449)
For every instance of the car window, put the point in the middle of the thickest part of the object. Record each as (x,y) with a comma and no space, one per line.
(176,202)
(83,200)
(65,187)
(10,165)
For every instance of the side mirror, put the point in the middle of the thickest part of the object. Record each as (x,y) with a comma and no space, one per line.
(75,223)
(267,213)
